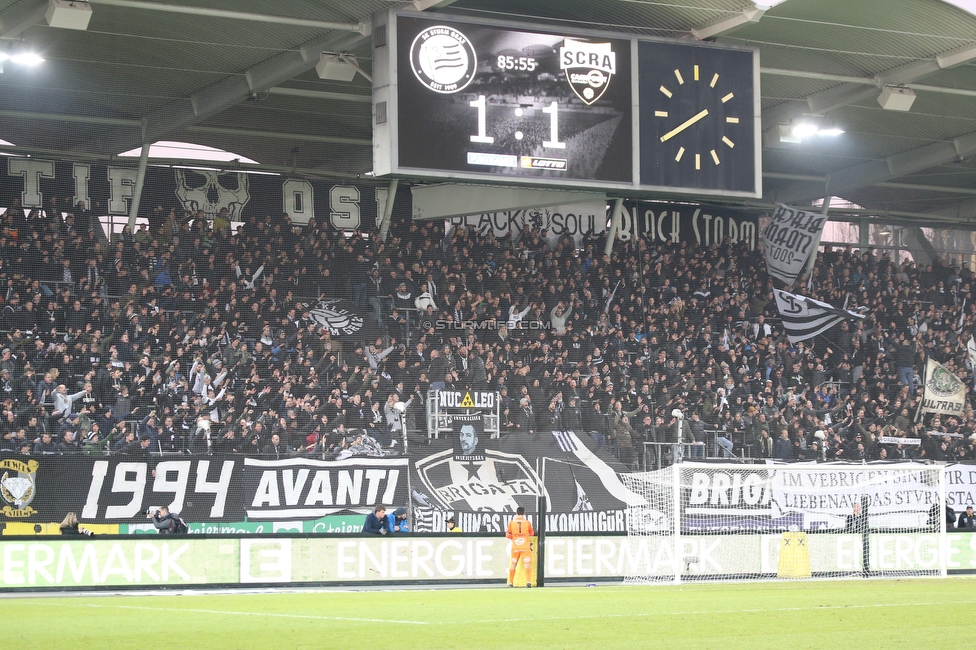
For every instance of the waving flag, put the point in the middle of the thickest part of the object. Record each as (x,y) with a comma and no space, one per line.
(805,317)
(789,240)
(944,391)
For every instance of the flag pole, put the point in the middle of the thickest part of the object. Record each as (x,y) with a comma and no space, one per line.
(606,310)
(925,376)
(816,239)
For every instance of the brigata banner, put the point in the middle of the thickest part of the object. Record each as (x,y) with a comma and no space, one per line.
(789,240)
(482,489)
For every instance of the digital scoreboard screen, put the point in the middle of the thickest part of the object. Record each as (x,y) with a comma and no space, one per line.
(463,99)
(486,101)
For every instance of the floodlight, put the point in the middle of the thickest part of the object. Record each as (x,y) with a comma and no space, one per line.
(803,129)
(26,58)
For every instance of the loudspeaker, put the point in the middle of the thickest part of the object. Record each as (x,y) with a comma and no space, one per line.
(68,14)
(896,98)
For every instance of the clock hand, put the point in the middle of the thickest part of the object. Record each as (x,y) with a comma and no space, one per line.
(675,131)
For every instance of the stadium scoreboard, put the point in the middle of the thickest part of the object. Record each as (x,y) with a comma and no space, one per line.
(463,99)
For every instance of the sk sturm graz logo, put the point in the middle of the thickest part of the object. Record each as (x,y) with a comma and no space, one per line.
(18,490)
(589,68)
(943,383)
(443,59)
(337,319)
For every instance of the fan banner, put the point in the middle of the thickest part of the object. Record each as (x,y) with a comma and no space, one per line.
(481,493)
(468,437)
(675,223)
(477,480)
(774,499)
(338,316)
(479,490)
(789,240)
(943,391)
(553,222)
(208,489)
(107,190)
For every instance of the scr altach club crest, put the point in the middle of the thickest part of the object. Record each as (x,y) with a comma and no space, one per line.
(18,485)
(589,67)
(443,59)
(337,316)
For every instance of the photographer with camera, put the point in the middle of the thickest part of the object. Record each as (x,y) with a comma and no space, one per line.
(70,526)
(166,522)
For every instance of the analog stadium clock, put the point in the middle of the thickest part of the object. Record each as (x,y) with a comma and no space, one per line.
(697,118)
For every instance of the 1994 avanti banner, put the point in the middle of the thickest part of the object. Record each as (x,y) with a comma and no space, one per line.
(479,482)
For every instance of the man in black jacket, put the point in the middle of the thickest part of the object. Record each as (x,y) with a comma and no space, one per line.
(572,417)
(276,449)
(966,521)
(595,423)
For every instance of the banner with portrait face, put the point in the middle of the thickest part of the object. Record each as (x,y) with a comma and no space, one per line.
(468,436)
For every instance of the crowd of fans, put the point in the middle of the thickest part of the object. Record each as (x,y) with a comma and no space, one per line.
(191,336)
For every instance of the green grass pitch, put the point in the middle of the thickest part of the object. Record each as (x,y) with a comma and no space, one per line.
(821,614)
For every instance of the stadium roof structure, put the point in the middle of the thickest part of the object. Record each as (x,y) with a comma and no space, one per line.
(239,75)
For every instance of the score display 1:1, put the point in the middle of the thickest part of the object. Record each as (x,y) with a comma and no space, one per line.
(483,138)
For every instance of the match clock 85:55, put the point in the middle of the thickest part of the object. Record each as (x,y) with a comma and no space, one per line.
(698,118)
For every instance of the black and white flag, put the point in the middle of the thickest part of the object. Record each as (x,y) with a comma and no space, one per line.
(805,317)
(789,240)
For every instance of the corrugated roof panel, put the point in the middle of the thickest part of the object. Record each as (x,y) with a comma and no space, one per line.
(660,19)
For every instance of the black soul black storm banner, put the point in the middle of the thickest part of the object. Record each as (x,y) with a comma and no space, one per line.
(702,225)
